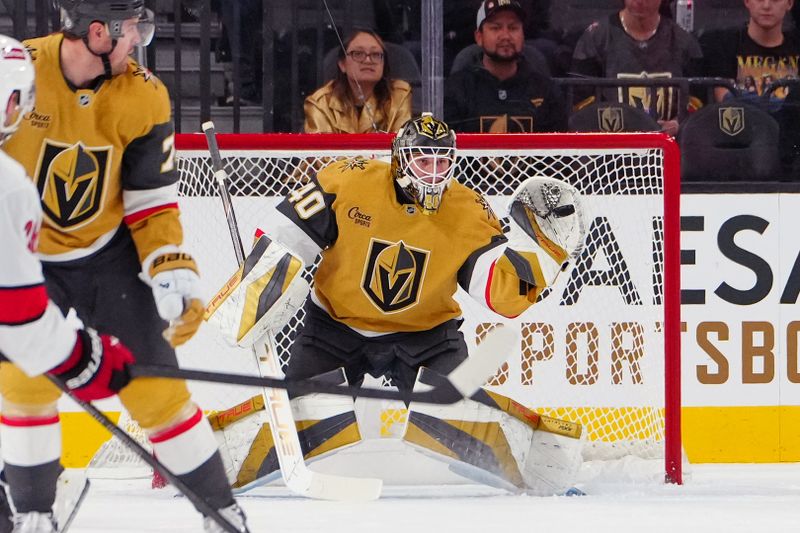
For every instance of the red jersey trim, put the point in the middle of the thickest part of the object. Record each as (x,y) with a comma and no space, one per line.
(28,421)
(488,290)
(133,218)
(22,305)
(178,429)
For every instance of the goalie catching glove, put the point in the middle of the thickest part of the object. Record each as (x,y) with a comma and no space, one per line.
(546,230)
(97,367)
(262,295)
(173,276)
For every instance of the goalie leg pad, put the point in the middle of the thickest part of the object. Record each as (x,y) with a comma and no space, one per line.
(465,432)
(264,294)
(512,446)
(325,424)
(552,463)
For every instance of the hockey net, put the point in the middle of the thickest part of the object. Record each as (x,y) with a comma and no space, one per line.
(601,348)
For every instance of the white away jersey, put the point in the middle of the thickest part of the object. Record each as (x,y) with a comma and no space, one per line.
(33,332)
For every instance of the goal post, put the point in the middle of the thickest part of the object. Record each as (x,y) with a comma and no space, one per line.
(601,348)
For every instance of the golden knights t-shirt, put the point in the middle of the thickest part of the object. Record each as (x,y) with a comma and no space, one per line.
(605,50)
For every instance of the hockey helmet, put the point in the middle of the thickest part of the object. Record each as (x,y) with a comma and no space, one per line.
(78,15)
(423,160)
(16,85)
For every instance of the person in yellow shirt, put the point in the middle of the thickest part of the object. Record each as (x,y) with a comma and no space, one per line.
(363,97)
(99,146)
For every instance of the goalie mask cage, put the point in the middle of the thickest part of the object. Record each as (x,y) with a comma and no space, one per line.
(601,348)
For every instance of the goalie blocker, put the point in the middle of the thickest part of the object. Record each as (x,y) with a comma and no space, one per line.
(261,296)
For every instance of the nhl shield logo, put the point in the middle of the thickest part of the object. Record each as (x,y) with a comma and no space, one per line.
(731,120)
(609,119)
(71,181)
(393,275)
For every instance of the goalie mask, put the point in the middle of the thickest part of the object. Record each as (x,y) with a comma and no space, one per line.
(423,160)
(16,85)
(78,15)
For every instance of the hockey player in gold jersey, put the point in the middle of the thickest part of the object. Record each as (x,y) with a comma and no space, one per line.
(396,241)
(99,146)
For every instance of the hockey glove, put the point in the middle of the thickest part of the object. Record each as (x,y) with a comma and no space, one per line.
(97,368)
(546,219)
(175,283)
(263,295)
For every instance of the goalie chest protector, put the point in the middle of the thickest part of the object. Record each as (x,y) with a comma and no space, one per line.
(385,266)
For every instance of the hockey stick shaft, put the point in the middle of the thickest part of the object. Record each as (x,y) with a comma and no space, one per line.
(462,382)
(199,503)
(227,202)
(445,394)
(294,471)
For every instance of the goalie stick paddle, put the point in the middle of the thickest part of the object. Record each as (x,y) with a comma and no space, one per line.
(199,503)
(296,474)
(462,382)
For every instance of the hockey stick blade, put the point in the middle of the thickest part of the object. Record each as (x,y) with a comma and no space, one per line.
(467,378)
(295,473)
(71,490)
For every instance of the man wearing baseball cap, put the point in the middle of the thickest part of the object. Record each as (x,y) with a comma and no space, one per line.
(502,93)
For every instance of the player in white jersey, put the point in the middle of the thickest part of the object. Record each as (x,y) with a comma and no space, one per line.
(100,148)
(34,334)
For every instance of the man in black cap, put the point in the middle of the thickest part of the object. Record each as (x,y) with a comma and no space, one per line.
(502,94)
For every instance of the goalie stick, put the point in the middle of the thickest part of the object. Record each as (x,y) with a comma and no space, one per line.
(199,503)
(296,474)
(462,382)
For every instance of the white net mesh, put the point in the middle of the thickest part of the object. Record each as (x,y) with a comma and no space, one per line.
(592,349)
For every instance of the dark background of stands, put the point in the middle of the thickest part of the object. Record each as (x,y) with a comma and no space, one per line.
(191,54)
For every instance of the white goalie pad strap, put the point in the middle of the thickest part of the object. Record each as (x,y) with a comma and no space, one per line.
(262,295)
(546,217)
(552,463)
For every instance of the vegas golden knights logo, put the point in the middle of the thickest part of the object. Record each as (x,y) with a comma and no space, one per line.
(430,127)
(731,120)
(393,275)
(609,119)
(71,181)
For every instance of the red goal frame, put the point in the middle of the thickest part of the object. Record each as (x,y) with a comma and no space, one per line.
(565,141)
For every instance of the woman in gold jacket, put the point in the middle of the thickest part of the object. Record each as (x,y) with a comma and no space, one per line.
(362,98)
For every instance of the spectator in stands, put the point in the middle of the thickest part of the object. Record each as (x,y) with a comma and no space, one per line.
(762,51)
(638,42)
(362,97)
(759,51)
(502,93)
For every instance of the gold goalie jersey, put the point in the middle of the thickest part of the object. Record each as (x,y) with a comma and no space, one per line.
(385,266)
(100,157)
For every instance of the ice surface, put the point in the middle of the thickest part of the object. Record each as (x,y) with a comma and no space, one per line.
(724,498)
